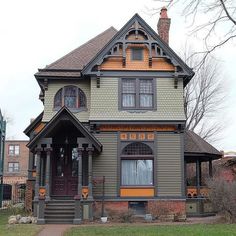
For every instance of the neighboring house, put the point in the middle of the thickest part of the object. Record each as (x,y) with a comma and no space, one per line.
(2,144)
(112,107)
(15,169)
(226,166)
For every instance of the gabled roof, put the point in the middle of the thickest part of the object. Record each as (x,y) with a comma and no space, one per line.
(136,19)
(194,144)
(33,124)
(80,57)
(64,114)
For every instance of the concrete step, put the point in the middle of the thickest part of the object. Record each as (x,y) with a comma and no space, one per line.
(60,221)
(62,216)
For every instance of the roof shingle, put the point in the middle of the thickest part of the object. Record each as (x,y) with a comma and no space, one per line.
(193,143)
(82,55)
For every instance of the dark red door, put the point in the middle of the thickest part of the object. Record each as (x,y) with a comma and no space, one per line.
(64,170)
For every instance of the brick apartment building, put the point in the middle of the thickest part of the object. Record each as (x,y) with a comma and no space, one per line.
(15,168)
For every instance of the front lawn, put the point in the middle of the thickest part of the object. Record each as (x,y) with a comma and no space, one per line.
(13,230)
(150,230)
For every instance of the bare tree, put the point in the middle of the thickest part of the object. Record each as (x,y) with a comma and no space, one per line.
(212,20)
(204,99)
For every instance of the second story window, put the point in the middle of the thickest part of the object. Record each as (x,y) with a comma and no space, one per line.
(137,94)
(71,97)
(13,150)
(13,167)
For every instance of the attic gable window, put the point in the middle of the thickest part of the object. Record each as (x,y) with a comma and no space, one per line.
(137,54)
(137,94)
(71,97)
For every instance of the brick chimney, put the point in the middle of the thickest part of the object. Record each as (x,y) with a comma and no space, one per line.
(163,25)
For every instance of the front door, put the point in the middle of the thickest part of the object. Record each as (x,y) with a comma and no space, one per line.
(64,170)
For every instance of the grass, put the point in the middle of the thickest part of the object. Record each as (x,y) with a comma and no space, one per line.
(16,230)
(148,230)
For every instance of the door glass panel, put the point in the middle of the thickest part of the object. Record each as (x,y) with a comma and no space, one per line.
(60,163)
(74,164)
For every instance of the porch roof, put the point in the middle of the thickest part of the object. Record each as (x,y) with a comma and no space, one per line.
(195,146)
(65,114)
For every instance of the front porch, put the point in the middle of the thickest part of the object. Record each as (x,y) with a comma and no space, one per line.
(63,151)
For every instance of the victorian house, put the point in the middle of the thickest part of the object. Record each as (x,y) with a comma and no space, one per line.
(112,129)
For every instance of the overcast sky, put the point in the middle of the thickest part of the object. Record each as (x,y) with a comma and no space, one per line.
(35,33)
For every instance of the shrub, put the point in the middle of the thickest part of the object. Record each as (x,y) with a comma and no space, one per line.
(126,216)
(223,197)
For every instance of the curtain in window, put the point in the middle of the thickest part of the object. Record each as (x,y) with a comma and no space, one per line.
(137,172)
(146,93)
(70,97)
(128,93)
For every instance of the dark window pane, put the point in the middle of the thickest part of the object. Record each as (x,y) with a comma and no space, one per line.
(58,99)
(82,99)
(128,86)
(146,86)
(137,148)
(70,97)
(137,54)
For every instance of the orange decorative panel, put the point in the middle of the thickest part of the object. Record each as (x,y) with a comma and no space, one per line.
(34,173)
(141,136)
(137,192)
(39,128)
(115,63)
(85,192)
(137,128)
(133,136)
(150,136)
(123,136)
(191,192)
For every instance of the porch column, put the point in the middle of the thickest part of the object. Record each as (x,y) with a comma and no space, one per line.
(37,178)
(80,150)
(210,169)
(198,166)
(48,151)
(90,150)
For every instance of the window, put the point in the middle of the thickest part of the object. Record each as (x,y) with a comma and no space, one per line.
(13,167)
(14,150)
(137,54)
(71,97)
(137,165)
(137,94)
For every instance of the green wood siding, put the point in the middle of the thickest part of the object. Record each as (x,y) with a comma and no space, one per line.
(53,87)
(104,102)
(106,163)
(169,164)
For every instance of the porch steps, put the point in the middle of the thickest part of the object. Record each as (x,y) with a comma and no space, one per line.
(59,212)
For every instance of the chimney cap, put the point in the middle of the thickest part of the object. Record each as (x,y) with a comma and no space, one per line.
(163,13)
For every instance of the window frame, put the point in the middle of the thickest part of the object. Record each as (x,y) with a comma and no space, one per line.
(78,102)
(137,106)
(13,167)
(137,157)
(140,49)
(14,154)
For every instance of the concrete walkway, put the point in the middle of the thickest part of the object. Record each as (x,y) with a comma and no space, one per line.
(54,230)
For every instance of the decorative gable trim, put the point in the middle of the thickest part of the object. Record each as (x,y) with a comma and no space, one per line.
(65,114)
(137,26)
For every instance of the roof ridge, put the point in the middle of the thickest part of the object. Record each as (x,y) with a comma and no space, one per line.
(82,45)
